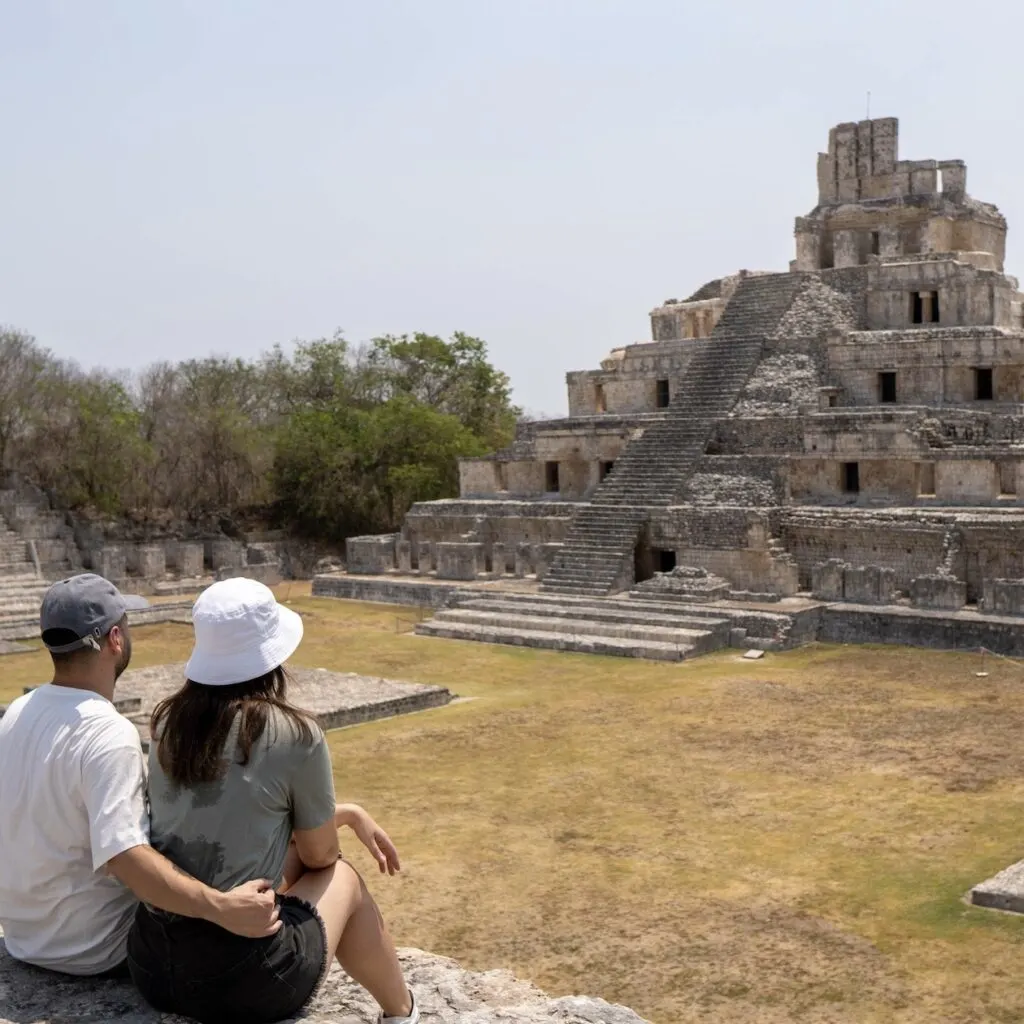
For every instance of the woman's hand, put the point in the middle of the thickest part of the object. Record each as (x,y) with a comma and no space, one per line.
(372,836)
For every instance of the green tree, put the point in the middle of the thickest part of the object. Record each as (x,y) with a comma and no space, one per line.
(454,377)
(90,452)
(24,365)
(344,471)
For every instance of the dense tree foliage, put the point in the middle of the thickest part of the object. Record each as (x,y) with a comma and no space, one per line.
(326,439)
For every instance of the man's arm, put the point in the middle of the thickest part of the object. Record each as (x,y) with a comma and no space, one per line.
(248,910)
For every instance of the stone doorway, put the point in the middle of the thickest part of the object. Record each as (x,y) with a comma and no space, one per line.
(647,561)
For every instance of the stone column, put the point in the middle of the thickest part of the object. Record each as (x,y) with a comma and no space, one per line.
(150,562)
(403,553)
(458,560)
(425,557)
(110,562)
(523,561)
(189,559)
(499,560)
(827,580)
(225,554)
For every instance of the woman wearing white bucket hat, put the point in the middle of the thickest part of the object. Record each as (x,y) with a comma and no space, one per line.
(241,787)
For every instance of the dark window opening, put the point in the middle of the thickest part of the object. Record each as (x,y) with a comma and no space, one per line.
(661,396)
(666,560)
(551,477)
(887,387)
(833,401)
(501,474)
(851,477)
(876,243)
(827,254)
(926,480)
(1008,479)
(983,384)
(924,307)
(606,468)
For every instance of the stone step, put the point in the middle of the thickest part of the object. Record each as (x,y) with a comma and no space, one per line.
(22,581)
(698,639)
(597,611)
(656,650)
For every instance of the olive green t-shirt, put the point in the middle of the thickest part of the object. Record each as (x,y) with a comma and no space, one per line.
(237,828)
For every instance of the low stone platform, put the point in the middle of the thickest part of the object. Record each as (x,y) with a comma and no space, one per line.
(667,627)
(336,699)
(963,630)
(1004,891)
(447,994)
(421,592)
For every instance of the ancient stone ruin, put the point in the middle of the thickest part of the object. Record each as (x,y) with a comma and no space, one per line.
(850,431)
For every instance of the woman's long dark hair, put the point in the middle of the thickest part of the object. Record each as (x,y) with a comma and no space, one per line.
(193,724)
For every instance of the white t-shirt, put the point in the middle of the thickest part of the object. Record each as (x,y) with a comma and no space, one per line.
(72,796)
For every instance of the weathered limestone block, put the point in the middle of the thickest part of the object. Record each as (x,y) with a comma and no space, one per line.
(261,554)
(425,557)
(459,560)
(446,993)
(110,562)
(945,593)
(266,573)
(543,556)
(374,554)
(524,560)
(827,580)
(1003,597)
(869,584)
(187,557)
(225,554)
(499,560)
(148,561)
(403,554)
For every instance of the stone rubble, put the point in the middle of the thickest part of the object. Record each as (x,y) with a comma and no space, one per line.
(447,995)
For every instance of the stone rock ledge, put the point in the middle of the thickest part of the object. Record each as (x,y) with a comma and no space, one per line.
(447,994)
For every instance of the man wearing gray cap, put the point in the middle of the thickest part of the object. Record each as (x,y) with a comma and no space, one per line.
(74,847)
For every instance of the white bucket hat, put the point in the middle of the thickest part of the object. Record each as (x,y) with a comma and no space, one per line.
(241,633)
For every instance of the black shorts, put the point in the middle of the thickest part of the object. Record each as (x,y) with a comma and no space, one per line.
(194,968)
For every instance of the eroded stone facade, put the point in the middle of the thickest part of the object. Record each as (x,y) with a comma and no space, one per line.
(867,406)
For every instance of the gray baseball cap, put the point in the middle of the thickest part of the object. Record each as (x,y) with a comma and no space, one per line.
(86,605)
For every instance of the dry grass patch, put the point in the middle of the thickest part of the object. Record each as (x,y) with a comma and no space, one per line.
(723,840)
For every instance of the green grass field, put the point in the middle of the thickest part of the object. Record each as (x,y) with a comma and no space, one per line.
(778,840)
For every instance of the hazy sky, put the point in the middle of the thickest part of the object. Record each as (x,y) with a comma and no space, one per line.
(182,177)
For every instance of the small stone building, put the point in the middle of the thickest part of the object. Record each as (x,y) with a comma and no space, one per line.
(866,406)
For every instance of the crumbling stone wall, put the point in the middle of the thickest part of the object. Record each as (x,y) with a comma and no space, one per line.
(505,522)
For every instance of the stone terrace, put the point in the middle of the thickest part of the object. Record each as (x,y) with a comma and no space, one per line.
(335,699)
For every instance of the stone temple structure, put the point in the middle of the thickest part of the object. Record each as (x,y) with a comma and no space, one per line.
(850,430)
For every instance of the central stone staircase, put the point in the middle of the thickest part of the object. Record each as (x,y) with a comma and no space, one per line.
(653,470)
(660,631)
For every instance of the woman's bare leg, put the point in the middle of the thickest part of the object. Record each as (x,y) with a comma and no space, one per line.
(356,934)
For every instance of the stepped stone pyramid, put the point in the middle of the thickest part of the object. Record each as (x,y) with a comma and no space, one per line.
(851,429)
